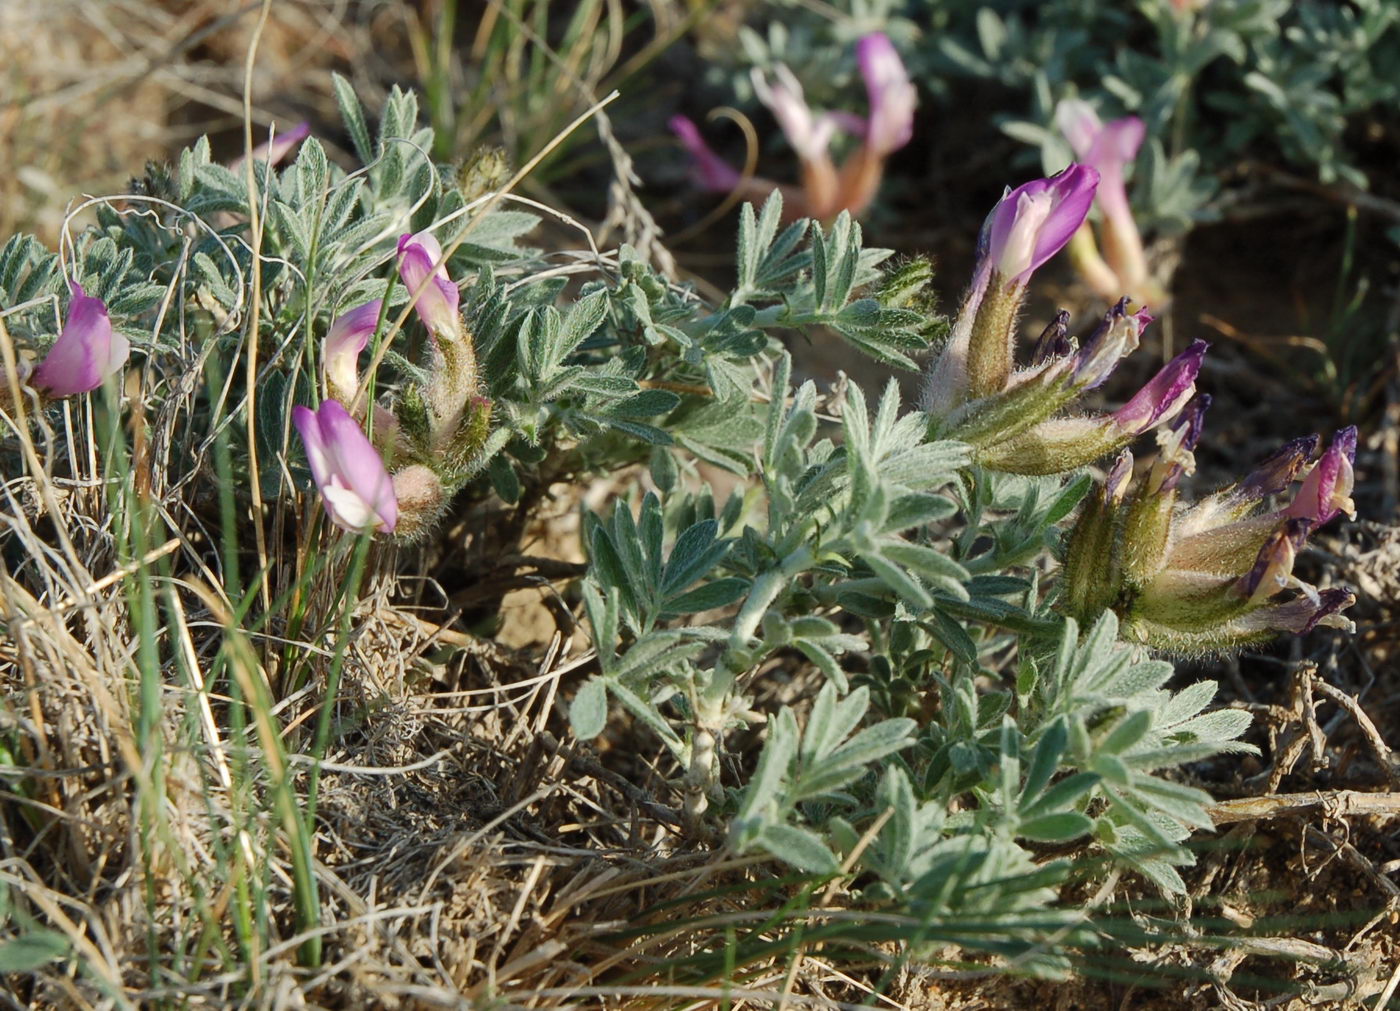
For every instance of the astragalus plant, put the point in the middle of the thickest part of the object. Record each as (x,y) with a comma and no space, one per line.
(888,654)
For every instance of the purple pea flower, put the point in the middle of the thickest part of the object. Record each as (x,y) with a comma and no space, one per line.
(711,172)
(86,352)
(437,299)
(1034,221)
(354,485)
(1326,491)
(1107,147)
(808,132)
(1165,394)
(1278,471)
(347,338)
(892,95)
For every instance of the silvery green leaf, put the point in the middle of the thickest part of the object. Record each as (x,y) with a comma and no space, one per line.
(720,593)
(588,712)
(1055,828)
(799,847)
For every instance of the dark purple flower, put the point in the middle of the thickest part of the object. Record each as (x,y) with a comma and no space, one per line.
(1165,394)
(1054,340)
(1302,614)
(1279,470)
(1274,565)
(1116,337)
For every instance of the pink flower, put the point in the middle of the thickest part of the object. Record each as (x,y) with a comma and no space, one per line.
(86,352)
(1106,147)
(892,96)
(711,172)
(347,338)
(1326,491)
(1033,222)
(281,144)
(436,302)
(354,485)
(809,133)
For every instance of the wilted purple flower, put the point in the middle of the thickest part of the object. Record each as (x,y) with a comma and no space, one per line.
(347,338)
(1302,614)
(1279,470)
(711,172)
(1054,340)
(86,352)
(437,299)
(274,150)
(1165,394)
(1176,458)
(1326,491)
(1033,222)
(892,95)
(354,485)
(1274,565)
(1116,337)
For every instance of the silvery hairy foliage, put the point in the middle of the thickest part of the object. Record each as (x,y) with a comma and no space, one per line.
(963,727)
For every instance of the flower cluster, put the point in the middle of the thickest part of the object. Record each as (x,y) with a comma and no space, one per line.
(429,438)
(826,190)
(976,394)
(1208,576)
(1109,148)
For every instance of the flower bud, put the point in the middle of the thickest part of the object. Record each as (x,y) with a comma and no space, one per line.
(1092,559)
(1147,528)
(421,500)
(86,352)
(355,488)
(348,336)
(1054,340)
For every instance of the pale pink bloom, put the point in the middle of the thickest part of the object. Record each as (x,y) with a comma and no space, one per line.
(437,301)
(86,352)
(355,486)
